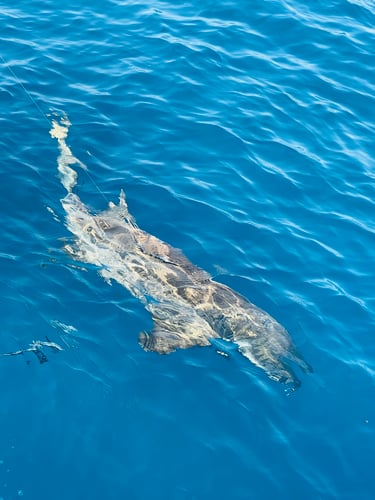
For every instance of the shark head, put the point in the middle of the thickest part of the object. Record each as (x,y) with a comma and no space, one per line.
(77,215)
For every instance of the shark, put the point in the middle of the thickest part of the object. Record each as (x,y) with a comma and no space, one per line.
(188,307)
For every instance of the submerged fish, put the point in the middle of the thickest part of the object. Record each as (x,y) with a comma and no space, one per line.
(36,348)
(187,306)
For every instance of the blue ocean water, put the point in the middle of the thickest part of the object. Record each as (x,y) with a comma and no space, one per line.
(244,135)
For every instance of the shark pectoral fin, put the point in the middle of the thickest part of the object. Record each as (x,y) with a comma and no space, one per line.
(164,341)
(175,327)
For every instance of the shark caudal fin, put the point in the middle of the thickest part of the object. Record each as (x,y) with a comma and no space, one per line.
(274,361)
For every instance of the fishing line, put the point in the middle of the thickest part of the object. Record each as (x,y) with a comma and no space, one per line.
(45,116)
(37,346)
(9,68)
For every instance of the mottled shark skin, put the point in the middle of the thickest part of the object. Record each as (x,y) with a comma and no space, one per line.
(187,306)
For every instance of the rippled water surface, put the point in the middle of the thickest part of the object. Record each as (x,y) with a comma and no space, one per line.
(242,133)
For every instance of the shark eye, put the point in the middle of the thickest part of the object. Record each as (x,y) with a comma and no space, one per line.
(90,230)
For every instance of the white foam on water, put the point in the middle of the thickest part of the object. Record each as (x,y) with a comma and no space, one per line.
(66,158)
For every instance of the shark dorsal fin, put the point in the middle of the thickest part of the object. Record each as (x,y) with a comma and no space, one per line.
(122,210)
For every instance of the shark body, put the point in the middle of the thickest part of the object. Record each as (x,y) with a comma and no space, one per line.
(187,306)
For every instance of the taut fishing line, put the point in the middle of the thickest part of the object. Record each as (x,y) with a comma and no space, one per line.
(37,346)
(45,116)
